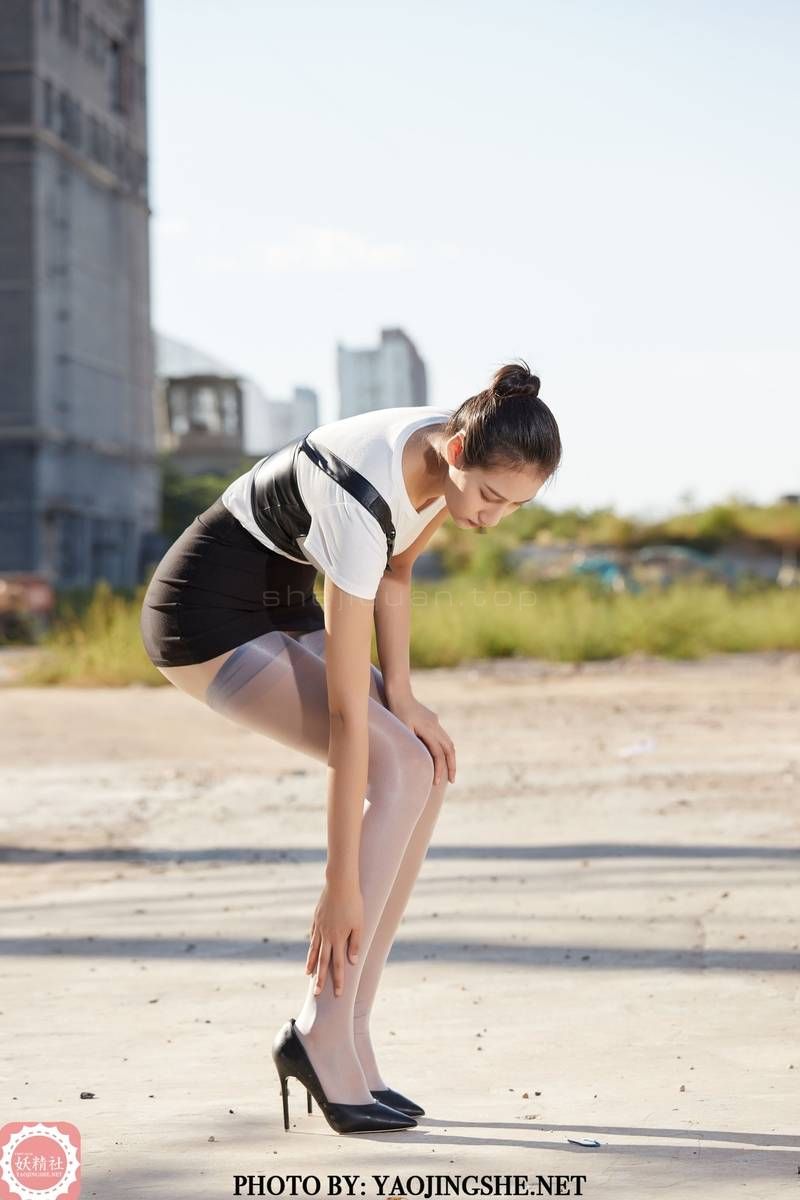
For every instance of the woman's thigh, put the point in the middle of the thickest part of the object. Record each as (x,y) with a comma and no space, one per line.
(195,679)
(276,685)
(315,640)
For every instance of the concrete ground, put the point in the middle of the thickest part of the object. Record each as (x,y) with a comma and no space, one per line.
(603,942)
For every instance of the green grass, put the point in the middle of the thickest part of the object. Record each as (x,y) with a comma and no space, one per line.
(575,621)
(468,617)
(95,644)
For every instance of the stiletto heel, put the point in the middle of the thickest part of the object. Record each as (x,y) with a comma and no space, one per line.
(290,1058)
(285,1096)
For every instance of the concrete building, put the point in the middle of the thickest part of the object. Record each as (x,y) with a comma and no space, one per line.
(388,376)
(79,486)
(210,417)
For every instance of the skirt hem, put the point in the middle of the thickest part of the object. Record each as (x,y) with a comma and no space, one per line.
(217,587)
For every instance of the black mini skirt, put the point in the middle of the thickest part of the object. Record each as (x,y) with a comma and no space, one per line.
(216,587)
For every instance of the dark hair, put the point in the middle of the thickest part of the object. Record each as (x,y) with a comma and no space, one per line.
(507,424)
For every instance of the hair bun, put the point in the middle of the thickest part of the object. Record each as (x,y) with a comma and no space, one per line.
(515,379)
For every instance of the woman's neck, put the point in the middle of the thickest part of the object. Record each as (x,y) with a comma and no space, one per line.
(424,469)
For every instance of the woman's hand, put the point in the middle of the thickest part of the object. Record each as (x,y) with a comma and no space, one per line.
(335,929)
(425,724)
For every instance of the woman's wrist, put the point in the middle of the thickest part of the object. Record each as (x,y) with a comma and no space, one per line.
(397,689)
(341,876)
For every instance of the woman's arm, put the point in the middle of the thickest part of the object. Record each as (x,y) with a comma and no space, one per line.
(348,624)
(393,634)
(393,614)
(338,917)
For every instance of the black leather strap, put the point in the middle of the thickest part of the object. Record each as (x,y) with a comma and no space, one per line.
(275,499)
(355,483)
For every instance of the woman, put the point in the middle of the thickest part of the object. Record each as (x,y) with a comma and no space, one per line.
(230,617)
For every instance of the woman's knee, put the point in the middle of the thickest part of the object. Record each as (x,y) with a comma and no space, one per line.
(418,771)
(400,764)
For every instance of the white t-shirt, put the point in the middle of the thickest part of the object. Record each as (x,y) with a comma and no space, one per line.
(344,540)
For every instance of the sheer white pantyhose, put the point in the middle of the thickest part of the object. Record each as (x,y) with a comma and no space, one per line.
(276,684)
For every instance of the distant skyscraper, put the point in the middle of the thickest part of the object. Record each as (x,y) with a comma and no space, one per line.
(277,421)
(391,375)
(79,487)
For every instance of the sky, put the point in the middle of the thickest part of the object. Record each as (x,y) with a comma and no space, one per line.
(609,191)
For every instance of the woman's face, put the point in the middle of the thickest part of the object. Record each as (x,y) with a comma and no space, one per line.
(477,497)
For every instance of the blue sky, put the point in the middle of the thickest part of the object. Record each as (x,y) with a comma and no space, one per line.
(607,190)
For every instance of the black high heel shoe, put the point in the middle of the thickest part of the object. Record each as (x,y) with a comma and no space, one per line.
(393,1099)
(290,1058)
(399,1101)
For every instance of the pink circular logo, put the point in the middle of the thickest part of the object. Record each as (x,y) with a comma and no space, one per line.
(40,1161)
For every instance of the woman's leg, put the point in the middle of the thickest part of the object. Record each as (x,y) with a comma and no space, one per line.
(277,686)
(195,679)
(396,903)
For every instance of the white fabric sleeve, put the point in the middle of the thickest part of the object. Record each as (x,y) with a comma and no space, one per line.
(346,543)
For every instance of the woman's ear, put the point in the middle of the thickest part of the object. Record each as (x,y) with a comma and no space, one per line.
(454,448)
